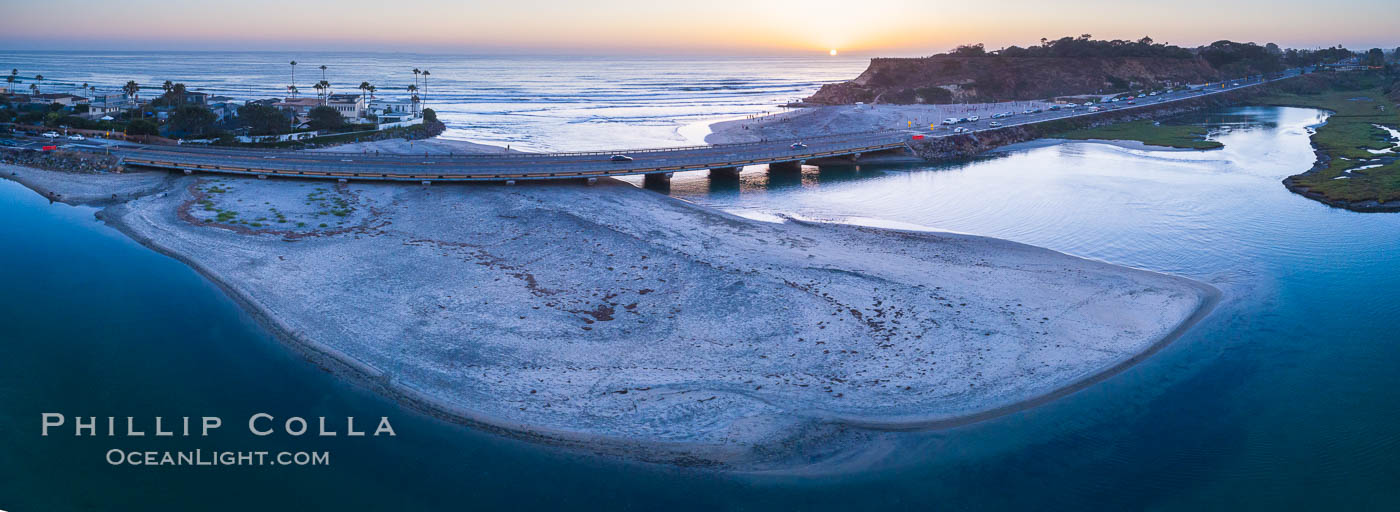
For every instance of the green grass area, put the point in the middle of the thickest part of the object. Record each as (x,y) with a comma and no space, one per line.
(1146,132)
(1348,135)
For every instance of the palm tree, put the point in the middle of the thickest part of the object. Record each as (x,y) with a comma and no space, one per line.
(319,88)
(179,91)
(413,95)
(323,72)
(40,80)
(293,88)
(371,91)
(10,81)
(326,89)
(425,86)
(364,88)
(167,86)
(34,87)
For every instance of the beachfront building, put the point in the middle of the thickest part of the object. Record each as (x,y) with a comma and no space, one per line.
(350,106)
(64,99)
(109,105)
(298,106)
(196,98)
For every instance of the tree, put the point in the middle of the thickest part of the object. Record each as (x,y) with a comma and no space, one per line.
(429,116)
(142,127)
(364,89)
(325,118)
(425,86)
(191,120)
(39,83)
(1375,57)
(263,119)
(413,94)
(10,81)
(293,88)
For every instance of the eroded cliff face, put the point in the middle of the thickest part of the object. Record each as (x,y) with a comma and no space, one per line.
(951,79)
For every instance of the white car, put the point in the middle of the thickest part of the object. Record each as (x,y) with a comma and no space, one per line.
(76,137)
(994,124)
(51,135)
(959,130)
(973,119)
(950,121)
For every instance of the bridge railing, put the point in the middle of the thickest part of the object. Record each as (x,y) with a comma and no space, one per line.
(527,156)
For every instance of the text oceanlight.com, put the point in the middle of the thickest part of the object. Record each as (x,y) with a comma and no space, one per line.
(118,457)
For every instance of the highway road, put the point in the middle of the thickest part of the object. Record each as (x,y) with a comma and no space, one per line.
(533,166)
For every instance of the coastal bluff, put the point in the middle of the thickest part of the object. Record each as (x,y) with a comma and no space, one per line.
(614,320)
(943,79)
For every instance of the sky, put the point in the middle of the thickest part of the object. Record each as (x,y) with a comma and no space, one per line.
(708,27)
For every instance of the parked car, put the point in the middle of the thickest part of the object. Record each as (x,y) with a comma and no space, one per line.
(76,137)
(959,130)
(994,124)
(973,119)
(621,158)
(951,120)
(799,145)
(51,135)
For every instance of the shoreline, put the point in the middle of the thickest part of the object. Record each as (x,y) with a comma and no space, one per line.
(678,453)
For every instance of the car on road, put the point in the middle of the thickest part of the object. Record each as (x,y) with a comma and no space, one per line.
(950,121)
(76,137)
(973,119)
(621,158)
(959,130)
(994,124)
(798,145)
(51,135)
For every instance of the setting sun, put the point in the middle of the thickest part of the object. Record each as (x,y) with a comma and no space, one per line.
(833,52)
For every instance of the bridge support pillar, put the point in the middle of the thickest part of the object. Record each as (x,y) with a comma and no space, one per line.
(724,173)
(788,167)
(657,180)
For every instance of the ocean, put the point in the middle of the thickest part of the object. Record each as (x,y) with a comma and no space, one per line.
(536,103)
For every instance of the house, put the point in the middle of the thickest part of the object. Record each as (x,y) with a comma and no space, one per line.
(109,104)
(64,99)
(350,106)
(299,106)
(196,98)
(224,110)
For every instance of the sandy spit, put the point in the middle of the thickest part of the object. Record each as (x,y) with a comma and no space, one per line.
(618,321)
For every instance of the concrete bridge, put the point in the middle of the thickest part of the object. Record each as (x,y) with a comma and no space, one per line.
(723,160)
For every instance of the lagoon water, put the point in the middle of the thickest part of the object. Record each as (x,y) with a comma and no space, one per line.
(1283,398)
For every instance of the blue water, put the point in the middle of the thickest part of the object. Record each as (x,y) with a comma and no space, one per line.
(1284,398)
(534,103)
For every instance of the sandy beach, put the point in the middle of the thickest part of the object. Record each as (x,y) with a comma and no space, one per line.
(433,146)
(615,320)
